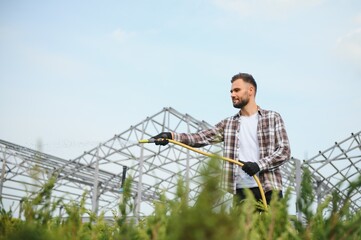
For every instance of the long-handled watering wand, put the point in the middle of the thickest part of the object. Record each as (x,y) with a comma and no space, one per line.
(152,140)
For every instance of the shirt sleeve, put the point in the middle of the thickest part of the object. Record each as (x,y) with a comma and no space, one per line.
(202,138)
(276,144)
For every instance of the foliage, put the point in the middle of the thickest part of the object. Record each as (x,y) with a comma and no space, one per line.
(180,219)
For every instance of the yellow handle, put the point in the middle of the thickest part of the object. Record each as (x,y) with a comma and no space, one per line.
(224,158)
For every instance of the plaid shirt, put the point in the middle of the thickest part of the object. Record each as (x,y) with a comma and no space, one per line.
(273,145)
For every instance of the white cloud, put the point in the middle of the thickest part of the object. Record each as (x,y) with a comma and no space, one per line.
(51,63)
(349,46)
(264,7)
(357,19)
(122,35)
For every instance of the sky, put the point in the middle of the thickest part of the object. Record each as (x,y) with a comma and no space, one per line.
(74,73)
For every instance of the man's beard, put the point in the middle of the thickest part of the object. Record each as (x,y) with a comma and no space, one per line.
(241,104)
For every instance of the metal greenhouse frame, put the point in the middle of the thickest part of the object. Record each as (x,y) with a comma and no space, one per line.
(100,172)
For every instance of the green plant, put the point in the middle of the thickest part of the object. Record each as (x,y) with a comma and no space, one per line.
(177,218)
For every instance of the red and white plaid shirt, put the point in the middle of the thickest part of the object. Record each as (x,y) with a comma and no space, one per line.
(273,145)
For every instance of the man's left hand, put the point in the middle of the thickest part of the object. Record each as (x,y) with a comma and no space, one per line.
(251,168)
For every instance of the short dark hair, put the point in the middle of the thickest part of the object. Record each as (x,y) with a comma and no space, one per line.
(248,78)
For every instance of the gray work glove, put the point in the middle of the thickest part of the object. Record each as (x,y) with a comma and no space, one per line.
(161,138)
(251,168)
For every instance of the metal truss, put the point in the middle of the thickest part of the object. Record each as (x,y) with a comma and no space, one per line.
(154,169)
(336,168)
(332,170)
(101,170)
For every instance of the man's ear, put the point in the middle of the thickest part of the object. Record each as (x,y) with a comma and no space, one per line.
(251,90)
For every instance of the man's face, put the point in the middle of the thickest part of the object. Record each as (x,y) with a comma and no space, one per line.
(240,93)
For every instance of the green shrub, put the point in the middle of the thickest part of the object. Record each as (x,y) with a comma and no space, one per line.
(178,219)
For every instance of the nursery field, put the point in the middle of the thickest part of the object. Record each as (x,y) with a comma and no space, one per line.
(177,219)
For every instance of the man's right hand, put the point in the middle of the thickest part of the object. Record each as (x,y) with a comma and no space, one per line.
(161,138)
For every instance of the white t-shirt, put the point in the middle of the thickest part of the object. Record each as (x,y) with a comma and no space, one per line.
(248,149)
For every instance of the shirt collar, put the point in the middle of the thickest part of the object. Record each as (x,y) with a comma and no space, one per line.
(260,112)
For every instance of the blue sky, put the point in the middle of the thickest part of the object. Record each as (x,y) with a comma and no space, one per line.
(74,73)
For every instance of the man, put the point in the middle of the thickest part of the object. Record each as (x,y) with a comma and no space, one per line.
(255,136)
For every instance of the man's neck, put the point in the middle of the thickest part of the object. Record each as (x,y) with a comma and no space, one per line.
(249,109)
